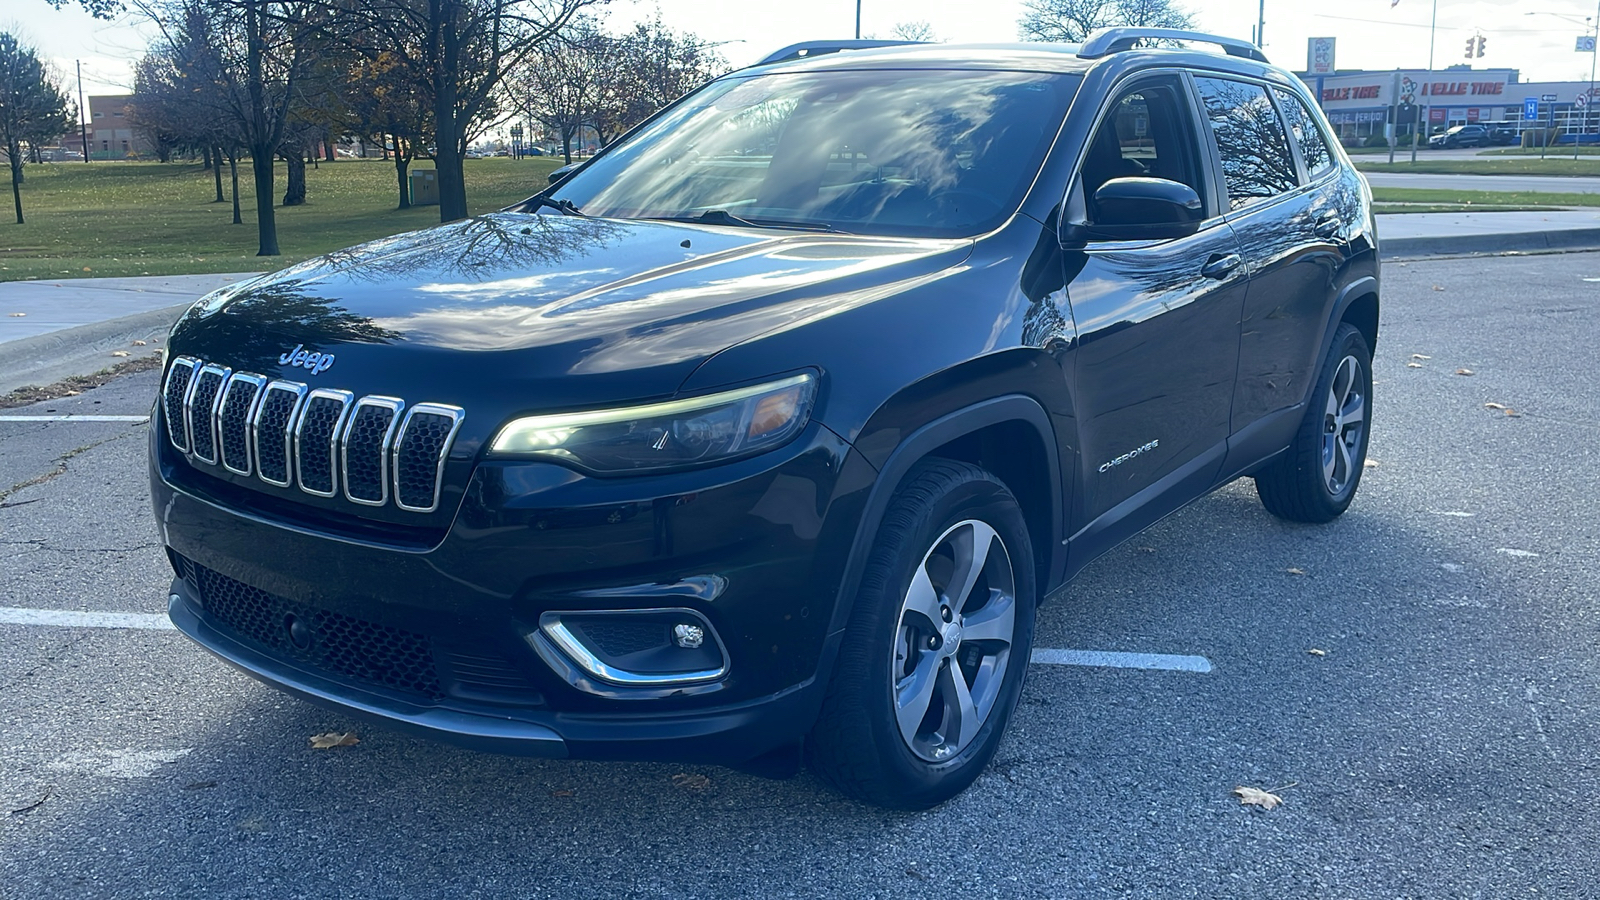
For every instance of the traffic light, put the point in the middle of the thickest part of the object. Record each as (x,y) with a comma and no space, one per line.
(1481,41)
(1472,45)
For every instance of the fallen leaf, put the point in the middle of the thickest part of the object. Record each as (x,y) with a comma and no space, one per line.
(915,874)
(87,269)
(691,781)
(119,353)
(1147,549)
(1249,796)
(1513,413)
(1494,406)
(1315,652)
(139,343)
(1420,356)
(329,740)
(563,793)
(17,315)
(1413,365)
(1463,371)
(1438,287)
(1370,464)
(71,393)
(1295,571)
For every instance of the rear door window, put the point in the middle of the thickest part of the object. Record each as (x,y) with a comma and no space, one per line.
(1256,162)
(1303,128)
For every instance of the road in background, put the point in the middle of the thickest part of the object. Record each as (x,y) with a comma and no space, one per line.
(1439,744)
(1544,184)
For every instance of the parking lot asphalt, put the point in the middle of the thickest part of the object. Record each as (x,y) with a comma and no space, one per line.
(1441,744)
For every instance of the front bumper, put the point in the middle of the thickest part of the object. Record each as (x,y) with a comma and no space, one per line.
(771,533)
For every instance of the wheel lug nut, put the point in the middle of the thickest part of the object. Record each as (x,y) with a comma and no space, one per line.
(933,642)
(944,613)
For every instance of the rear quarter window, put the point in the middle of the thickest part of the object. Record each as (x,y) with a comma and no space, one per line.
(1303,129)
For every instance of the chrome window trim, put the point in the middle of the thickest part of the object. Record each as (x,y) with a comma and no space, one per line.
(456,415)
(345,398)
(191,364)
(259,381)
(299,390)
(395,405)
(223,372)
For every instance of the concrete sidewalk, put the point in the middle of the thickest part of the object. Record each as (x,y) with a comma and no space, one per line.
(52,330)
(73,326)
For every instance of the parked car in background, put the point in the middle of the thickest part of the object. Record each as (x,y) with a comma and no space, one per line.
(762,434)
(1461,136)
(1504,135)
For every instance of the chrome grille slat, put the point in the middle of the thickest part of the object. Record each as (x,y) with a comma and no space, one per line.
(326,441)
(235,411)
(316,440)
(173,394)
(368,433)
(200,410)
(272,434)
(420,451)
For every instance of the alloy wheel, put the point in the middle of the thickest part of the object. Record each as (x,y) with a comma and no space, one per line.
(954,639)
(1345,425)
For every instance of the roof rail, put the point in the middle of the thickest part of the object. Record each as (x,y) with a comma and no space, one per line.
(1107,41)
(807,49)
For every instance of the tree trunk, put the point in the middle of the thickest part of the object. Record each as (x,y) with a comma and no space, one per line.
(211,162)
(400,165)
(233,171)
(566,145)
(295,193)
(214,163)
(14,154)
(449,130)
(327,147)
(266,223)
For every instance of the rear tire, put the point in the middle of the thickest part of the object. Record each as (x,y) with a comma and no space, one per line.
(1315,480)
(938,642)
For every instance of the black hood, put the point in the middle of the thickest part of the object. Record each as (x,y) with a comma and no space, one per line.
(550,311)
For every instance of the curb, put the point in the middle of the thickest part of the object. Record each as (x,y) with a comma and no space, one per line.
(1555,241)
(47,358)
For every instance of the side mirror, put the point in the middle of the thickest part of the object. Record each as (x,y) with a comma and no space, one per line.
(1140,209)
(562,172)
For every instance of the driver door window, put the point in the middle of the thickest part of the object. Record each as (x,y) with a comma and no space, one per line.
(1146,133)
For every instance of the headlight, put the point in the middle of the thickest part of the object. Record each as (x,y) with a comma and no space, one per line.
(677,433)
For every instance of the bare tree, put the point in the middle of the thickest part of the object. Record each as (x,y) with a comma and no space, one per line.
(459,51)
(559,85)
(32,109)
(386,104)
(918,30)
(1070,21)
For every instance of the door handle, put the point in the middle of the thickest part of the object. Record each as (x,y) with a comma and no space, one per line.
(1220,267)
(1327,226)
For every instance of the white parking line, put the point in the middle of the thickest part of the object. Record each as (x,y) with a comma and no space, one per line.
(73,418)
(16,615)
(1114,660)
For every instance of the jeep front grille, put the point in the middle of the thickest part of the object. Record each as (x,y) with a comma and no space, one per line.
(323,441)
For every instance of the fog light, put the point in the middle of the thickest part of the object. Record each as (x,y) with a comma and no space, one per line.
(689,637)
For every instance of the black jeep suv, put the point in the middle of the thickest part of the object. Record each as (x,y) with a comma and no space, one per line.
(769,428)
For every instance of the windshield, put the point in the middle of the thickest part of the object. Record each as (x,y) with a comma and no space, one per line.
(893,152)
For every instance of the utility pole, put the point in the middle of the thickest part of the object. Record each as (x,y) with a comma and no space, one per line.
(1261,25)
(1588,100)
(1427,110)
(858,20)
(83,114)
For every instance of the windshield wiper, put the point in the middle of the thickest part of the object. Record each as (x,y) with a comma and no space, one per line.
(723,217)
(565,207)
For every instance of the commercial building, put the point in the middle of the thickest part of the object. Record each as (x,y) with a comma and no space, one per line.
(1363,106)
(111,131)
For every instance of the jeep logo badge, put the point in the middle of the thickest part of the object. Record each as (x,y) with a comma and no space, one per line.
(316,362)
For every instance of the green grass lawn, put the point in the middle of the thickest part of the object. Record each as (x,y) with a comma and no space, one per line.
(115,219)
(1480,201)
(1486,166)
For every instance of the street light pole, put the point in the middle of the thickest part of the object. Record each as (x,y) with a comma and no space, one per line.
(1588,99)
(858,20)
(1427,110)
(1261,25)
(83,114)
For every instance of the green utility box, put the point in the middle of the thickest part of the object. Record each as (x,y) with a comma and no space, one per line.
(424,188)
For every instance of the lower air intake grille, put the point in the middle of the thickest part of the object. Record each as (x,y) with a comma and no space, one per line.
(376,654)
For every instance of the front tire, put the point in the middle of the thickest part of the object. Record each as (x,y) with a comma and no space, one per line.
(937,646)
(1315,480)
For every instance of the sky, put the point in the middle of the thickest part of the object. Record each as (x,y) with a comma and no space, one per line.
(1370,33)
